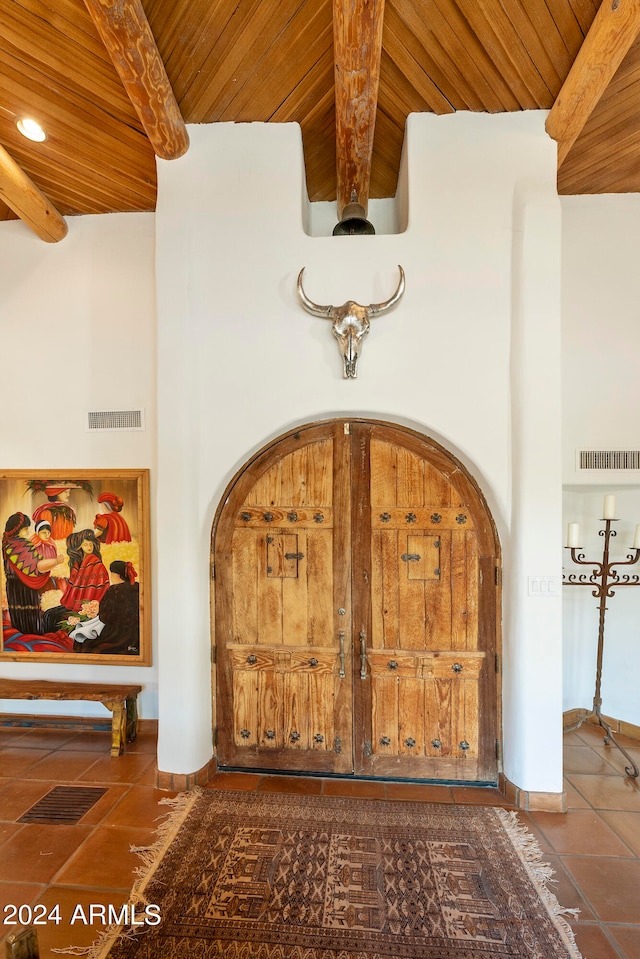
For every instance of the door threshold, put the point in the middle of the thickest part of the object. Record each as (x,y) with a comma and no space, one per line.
(351,777)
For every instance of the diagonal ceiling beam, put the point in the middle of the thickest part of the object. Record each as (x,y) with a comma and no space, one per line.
(126,34)
(27,201)
(357,44)
(614,29)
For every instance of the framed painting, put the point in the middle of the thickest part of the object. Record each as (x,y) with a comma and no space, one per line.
(75,573)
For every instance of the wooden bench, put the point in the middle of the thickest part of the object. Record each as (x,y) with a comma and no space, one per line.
(121,700)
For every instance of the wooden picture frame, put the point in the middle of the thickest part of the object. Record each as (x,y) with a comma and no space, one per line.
(69,597)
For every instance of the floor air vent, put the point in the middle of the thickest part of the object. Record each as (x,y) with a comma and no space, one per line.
(64,805)
(105,420)
(608,459)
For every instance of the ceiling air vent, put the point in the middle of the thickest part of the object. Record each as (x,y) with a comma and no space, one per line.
(608,459)
(109,420)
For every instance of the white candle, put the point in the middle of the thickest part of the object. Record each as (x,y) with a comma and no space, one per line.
(636,539)
(573,535)
(609,508)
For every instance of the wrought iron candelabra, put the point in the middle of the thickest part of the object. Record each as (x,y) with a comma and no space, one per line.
(604,577)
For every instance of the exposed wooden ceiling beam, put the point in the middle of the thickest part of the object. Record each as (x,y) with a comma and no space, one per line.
(126,34)
(28,202)
(614,29)
(357,43)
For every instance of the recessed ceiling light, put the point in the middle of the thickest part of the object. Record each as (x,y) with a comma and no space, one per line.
(31,129)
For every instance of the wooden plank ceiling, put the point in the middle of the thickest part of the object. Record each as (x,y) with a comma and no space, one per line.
(253,60)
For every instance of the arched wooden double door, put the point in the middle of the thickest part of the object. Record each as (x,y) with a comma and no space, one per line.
(356,609)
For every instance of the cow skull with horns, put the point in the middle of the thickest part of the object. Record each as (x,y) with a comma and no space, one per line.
(350,321)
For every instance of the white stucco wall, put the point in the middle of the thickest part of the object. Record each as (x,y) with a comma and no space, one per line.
(77,333)
(601,411)
(239,362)
(470,358)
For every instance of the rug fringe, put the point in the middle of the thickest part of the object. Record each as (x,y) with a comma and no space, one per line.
(541,873)
(151,857)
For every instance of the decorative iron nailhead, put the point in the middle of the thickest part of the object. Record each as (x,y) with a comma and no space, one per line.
(457,667)
(245,517)
(385,741)
(385,517)
(245,733)
(313,661)
(318,738)
(318,518)
(252,660)
(270,734)
(436,743)
(464,745)
(292,516)
(392,664)
(410,742)
(411,517)
(294,737)
(436,518)
(461,519)
(267,517)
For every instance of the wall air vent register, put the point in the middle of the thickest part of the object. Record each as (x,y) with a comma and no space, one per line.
(588,459)
(111,420)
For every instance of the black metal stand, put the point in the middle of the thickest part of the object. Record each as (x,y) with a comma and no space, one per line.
(602,580)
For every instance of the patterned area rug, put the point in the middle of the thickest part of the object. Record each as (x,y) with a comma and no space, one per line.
(260,876)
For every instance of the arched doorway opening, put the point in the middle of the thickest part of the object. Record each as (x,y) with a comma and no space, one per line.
(357,609)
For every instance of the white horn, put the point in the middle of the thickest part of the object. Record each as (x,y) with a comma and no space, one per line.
(309,305)
(377,308)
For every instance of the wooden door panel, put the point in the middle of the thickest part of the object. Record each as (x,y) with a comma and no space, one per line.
(385,711)
(245,606)
(245,709)
(281,660)
(438,492)
(297,722)
(385,605)
(409,477)
(268,595)
(438,599)
(424,689)
(411,730)
(382,463)
(266,491)
(302,478)
(425,707)
(438,718)
(270,714)
(295,589)
(320,605)
(412,610)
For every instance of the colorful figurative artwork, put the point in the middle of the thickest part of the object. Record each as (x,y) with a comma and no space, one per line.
(75,566)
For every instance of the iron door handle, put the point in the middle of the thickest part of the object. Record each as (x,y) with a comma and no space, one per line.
(363,654)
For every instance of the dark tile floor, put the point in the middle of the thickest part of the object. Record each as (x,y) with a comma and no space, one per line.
(594,848)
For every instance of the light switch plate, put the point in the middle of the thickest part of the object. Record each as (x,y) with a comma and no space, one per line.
(544,586)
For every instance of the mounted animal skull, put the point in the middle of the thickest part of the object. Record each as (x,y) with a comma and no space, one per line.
(350,322)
